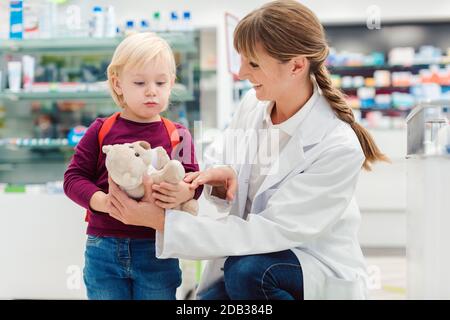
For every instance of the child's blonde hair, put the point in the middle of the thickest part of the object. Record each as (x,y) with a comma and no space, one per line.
(135,51)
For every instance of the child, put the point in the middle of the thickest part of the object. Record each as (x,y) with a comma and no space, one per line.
(120,260)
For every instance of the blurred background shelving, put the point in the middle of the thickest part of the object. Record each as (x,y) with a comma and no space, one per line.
(40,123)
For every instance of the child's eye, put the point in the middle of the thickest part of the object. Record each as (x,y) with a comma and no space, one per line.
(139,83)
(161,83)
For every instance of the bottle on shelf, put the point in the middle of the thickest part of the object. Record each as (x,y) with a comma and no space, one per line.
(16,19)
(156,22)
(174,24)
(28,64)
(110,25)
(144,26)
(98,22)
(186,23)
(47,20)
(129,27)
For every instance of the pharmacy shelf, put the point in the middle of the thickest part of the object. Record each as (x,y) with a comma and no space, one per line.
(34,142)
(385,66)
(178,95)
(385,110)
(177,40)
(383,89)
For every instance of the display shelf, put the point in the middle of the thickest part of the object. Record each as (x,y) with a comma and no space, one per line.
(387,110)
(178,95)
(34,143)
(394,67)
(69,91)
(177,40)
(382,89)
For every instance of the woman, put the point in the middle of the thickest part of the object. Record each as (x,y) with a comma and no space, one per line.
(292,228)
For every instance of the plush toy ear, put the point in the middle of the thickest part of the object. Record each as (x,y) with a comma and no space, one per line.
(144,144)
(106,148)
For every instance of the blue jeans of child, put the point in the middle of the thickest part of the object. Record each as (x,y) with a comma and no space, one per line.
(126,269)
(271,276)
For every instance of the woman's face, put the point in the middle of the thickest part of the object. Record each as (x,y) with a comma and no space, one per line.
(270,78)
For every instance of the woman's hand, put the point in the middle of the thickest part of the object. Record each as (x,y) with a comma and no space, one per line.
(169,195)
(139,213)
(222,179)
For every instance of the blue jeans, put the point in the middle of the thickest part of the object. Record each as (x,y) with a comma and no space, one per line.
(271,276)
(125,269)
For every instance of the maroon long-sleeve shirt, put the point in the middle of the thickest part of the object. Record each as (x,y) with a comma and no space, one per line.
(87,174)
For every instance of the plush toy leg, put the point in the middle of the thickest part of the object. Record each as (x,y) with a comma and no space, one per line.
(173,172)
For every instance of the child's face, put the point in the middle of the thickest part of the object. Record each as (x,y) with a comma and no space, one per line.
(145,90)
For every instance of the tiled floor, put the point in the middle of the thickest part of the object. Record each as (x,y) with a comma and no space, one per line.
(387,273)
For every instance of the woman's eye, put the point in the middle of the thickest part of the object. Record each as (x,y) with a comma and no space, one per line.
(136,154)
(253,65)
(139,83)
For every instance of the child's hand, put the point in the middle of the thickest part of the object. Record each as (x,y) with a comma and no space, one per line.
(169,196)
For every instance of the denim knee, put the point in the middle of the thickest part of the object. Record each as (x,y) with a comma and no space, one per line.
(243,275)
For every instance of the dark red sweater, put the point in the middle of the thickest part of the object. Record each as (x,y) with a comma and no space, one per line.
(82,177)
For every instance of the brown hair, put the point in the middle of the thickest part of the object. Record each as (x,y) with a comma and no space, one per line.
(286,29)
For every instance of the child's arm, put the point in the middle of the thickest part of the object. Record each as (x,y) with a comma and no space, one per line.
(82,171)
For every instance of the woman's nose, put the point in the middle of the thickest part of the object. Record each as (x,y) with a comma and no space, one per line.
(243,73)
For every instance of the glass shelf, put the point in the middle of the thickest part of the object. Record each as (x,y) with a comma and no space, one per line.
(385,110)
(397,88)
(178,95)
(384,66)
(366,69)
(34,143)
(177,40)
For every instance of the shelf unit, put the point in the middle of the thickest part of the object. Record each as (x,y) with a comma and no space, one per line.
(391,67)
(33,153)
(179,41)
(178,95)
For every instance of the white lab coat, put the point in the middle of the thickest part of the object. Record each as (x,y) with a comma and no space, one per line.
(308,206)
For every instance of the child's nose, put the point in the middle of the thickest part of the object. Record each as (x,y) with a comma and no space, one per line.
(150,91)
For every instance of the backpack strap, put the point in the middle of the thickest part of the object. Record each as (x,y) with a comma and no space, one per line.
(172,132)
(105,128)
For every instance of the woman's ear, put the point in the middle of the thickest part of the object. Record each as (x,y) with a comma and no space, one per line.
(298,65)
(116,85)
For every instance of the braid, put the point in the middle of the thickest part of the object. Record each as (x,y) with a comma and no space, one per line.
(336,99)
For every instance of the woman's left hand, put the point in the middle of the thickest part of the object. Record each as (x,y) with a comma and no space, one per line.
(139,213)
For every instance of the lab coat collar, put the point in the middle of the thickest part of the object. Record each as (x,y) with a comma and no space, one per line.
(290,125)
(309,122)
(316,121)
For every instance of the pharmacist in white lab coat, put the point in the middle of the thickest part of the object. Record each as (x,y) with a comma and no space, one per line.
(289,179)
